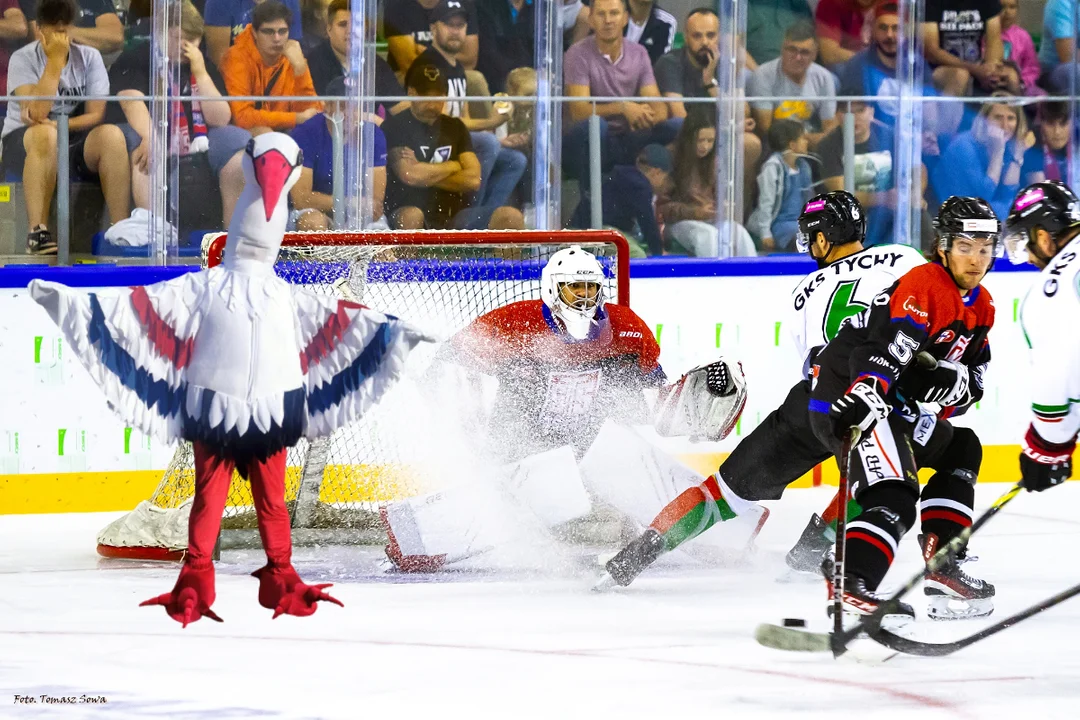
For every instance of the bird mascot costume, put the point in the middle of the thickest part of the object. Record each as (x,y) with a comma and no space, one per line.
(242,364)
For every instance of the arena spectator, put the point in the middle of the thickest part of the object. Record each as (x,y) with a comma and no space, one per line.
(226,19)
(13,31)
(843,29)
(1058,53)
(314,20)
(875,185)
(54,65)
(1048,158)
(211,149)
(873,71)
(1018,47)
(407,25)
(766,21)
(784,186)
(265,61)
(521,82)
(651,27)
(631,195)
(795,75)
(605,65)
(691,71)
(689,210)
(96,25)
(507,35)
(432,166)
(986,161)
(501,167)
(962,40)
(328,59)
(313,195)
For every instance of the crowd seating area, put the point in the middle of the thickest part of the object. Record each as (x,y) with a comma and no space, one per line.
(998,84)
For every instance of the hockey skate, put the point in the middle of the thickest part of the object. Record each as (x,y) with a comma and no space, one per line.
(631,560)
(952,593)
(859,600)
(804,559)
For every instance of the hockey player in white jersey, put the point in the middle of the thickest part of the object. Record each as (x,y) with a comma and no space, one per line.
(782,448)
(1043,228)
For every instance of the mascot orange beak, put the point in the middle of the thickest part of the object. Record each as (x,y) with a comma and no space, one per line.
(272,171)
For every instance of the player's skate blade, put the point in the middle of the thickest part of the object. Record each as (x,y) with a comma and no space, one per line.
(943,607)
(632,560)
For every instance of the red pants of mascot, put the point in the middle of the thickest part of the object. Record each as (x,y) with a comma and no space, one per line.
(280,588)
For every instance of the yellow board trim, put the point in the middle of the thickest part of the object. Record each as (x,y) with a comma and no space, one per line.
(123,490)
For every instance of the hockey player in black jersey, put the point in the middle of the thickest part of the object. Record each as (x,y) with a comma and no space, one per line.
(868,378)
(783,447)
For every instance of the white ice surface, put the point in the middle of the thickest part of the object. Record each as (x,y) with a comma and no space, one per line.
(677,644)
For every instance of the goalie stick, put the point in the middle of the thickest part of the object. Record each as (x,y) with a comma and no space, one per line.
(796,640)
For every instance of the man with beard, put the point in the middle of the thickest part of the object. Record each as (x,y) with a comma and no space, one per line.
(500,168)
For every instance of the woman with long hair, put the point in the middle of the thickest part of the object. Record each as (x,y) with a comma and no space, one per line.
(986,161)
(690,211)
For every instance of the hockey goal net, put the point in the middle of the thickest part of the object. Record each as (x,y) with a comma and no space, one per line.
(440,281)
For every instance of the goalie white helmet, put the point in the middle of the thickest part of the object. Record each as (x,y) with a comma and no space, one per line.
(572,287)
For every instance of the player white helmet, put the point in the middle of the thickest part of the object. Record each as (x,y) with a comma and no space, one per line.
(572,287)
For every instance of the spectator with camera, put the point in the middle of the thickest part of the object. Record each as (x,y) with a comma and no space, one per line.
(264,61)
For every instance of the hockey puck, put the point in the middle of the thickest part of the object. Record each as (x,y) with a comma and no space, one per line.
(794,622)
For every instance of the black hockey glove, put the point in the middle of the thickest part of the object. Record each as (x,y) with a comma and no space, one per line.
(948,384)
(1043,464)
(861,407)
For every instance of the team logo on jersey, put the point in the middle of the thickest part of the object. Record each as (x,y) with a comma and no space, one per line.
(912,307)
(440,154)
(957,351)
(946,336)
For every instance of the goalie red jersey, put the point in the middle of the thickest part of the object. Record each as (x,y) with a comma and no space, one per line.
(554,388)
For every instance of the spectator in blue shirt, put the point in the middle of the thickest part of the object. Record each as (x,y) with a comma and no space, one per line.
(986,161)
(312,196)
(225,19)
(1057,51)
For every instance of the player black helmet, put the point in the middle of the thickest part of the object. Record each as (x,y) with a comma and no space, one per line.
(1049,205)
(837,214)
(967,217)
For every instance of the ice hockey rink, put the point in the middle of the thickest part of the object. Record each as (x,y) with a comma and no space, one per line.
(525,644)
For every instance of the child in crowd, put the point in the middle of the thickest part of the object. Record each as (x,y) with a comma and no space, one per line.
(1019,48)
(1048,158)
(784,187)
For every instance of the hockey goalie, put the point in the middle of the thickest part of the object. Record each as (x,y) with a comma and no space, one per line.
(567,378)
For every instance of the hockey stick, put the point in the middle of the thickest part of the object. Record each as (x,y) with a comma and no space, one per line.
(797,640)
(914,647)
(843,491)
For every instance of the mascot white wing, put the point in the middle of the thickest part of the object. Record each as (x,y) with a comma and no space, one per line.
(350,356)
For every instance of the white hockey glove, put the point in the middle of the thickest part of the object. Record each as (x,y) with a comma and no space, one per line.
(705,403)
(948,384)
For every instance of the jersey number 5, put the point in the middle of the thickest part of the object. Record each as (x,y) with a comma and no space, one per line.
(841,308)
(903,348)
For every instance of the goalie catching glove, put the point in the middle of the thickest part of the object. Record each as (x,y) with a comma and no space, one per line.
(704,404)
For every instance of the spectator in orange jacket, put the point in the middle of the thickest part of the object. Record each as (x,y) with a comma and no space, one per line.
(264,61)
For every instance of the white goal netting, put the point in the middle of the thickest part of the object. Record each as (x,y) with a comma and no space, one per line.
(439,281)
